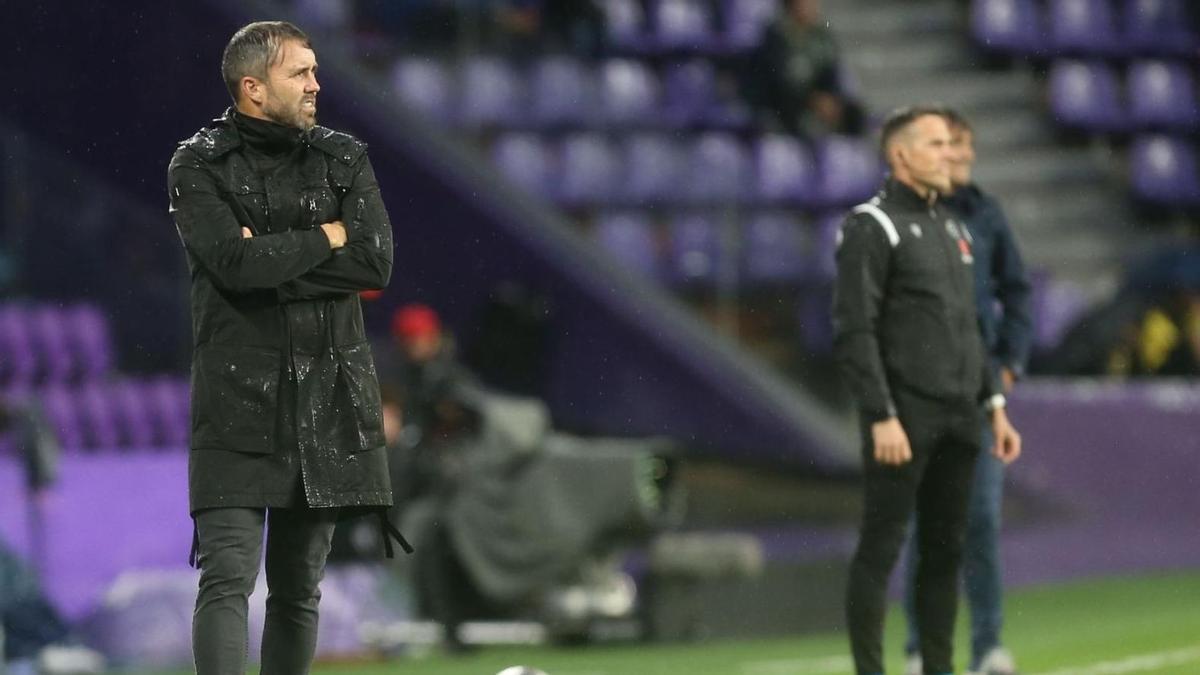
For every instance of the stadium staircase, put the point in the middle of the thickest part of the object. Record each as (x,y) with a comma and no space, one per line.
(1066,201)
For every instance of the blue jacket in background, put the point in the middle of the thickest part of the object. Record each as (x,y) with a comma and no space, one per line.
(1002,289)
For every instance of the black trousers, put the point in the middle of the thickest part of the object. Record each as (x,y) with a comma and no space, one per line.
(944,436)
(230,551)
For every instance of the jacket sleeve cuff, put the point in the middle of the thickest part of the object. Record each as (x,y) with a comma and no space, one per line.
(880,414)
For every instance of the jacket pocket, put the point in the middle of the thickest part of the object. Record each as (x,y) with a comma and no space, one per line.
(319,205)
(358,381)
(235,398)
(250,205)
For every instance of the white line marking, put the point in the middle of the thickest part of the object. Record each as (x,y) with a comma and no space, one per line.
(1133,664)
(813,666)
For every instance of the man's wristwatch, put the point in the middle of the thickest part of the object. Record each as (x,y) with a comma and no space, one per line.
(995,402)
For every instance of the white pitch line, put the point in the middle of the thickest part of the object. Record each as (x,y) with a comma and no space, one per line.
(1133,664)
(814,666)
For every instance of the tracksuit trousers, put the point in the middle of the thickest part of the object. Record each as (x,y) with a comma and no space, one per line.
(944,437)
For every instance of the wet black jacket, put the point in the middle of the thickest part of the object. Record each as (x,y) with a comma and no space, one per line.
(285,399)
(904,304)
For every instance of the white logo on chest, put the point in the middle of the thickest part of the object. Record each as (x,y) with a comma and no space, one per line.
(963,238)
(916,229)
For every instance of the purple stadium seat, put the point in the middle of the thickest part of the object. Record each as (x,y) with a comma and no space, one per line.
(526,161)
(1162,95)
(167,401)
(745,21)
(131,407)
(423,84)
(589,169)
(1082,27)
(683,25)
(92,340)
(62,413)
(823,261)
(563,92)
(1057,305)
(1163,170)
(49,328)
(324,15)
(630,92)
(719,169)
(1007,26)
(626,24)
(849,170)
(99,416)
(629,238)
(653,168)
(1158,27)
(689,92)
(1086,95)
(774,249)
(784,170)
(18,360)
(695,252)
(492,92)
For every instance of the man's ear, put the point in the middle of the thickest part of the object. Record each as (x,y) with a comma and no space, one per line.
(252,89)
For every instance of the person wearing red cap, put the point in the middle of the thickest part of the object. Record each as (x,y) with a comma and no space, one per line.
(418,331)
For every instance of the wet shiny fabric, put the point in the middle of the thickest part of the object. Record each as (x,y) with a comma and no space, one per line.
(284,391)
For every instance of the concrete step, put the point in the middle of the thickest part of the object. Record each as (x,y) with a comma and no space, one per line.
(1007,129)
(1031,214)
(963,90)
(1033,166)
(861,22)
(908,58)
(1071,250)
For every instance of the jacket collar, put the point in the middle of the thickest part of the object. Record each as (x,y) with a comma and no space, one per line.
(904,196)
(223,136)
(266,136)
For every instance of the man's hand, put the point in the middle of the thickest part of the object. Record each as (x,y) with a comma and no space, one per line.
(1007,378)
(1008,442)
(336,232)
(246,233)
(891,443)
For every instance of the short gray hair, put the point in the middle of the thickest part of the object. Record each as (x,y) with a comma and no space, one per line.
(253,49)
(900,119)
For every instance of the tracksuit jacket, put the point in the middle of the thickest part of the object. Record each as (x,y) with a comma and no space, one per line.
(905,315)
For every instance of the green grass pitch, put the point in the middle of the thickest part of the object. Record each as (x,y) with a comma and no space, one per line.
(1145,624)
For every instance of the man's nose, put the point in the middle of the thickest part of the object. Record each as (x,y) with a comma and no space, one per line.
(312,86)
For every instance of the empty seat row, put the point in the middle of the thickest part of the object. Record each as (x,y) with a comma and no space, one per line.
(1118,28)
(561,91)
(658,26)
(122,414)
(49,343)
(1163,171)
(1157,94)
(696,248)
(589,169)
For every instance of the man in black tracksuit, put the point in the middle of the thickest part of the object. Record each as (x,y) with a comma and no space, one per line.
(283,225)
(907,341)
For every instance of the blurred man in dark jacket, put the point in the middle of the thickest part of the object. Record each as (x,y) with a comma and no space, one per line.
(794,77)
(907,340)
(283,225)
(1000,281)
